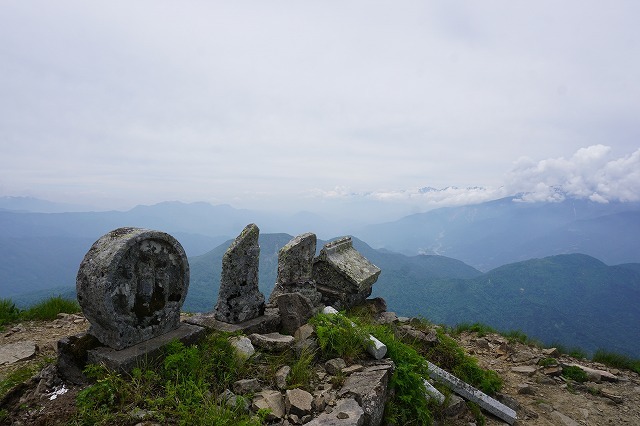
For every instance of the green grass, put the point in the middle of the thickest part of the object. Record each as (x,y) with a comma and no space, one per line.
(46,310)
(617,360)
(574,373)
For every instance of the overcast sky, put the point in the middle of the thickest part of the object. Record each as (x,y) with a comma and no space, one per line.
(267,104)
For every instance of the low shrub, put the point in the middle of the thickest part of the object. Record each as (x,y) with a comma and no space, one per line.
(613,359)
(574,373)
(48,309)
(8,312)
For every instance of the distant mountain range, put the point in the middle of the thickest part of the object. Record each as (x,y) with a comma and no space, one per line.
(495,233)
(574,298)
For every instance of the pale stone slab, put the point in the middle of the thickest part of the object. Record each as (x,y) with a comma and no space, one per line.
(19,351)
(604,375)
(369,388)
(432,392)
(267,323)
(472,394)
(347,412)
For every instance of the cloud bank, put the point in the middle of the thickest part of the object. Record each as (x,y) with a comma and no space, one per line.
(590,173)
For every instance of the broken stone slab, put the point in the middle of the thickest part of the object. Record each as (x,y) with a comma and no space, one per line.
(472,394)
(347,412)
(272,342)
(295,266)
(281,377)
(455,407)
(298,402)
(239,298)
(19,351)
(131,285)
(271,400)
(369,388)
(591,372)
(528,370)
(243,386)
(125,360)
(267,323)
(343,275)
(295,310)
(375,347)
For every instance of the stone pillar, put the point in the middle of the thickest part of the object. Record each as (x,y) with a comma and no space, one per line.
(239,298)
(295,266)
(131,285)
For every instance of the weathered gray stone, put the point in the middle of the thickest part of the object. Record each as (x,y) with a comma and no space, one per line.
(232,400)
(386,318)
(269,400)
(272,342)
(239,298)
(334,366)
(467,391)
(369,388)
(281,377)
(295,310)
(604,375)
(243,386)
(347,412)
(243,346)
(295,265)
(19,351)
(131,285)
(304,332)
(267,323)
(127,359)
(529,370)
(298,402)
(352,369)
(455,407)
(563,419)
(343,275)
(526,389)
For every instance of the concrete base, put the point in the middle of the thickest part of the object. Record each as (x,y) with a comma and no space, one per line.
(267,323)
(127,359)
(75,352)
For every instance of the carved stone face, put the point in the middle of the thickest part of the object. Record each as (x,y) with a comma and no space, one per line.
(132,284)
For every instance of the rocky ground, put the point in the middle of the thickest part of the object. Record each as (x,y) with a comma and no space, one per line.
(537,393)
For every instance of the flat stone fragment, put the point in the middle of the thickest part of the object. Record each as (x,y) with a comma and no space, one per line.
(269,400)
(298,402)
(347,412)
(529,370)
(246,385)
(19,351)
(267,323)
(334,366)
(472,394)
(239,298)
(131,285)
(275,342)
(127,359)
(281,377)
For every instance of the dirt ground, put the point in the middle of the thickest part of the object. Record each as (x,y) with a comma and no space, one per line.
(538,398)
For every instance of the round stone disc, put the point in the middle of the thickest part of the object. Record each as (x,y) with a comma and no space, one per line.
(131,285)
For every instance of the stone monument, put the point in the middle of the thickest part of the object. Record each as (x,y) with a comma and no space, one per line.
(343,275)
(239,298)
(131,285)
(295,267)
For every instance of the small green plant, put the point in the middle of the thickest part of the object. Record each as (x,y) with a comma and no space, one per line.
(338,337)
(8,312)
(481,329)
(16,377)
(300,374)
(574,352)
(548,362)
(574,373)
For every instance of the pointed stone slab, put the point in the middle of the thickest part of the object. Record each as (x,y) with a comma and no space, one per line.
(472,394)
(239,298)
(19,351)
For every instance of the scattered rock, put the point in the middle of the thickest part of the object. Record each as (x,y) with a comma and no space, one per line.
(369,388)
(270,400)
(246,386)
(298,402)
(455,407)
(334,366)
(243,346)
(272,342)
(281,377)
(529,370)
(347,412)
(295,310)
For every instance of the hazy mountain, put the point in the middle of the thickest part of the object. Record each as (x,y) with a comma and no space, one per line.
(495,233)
(31,204)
